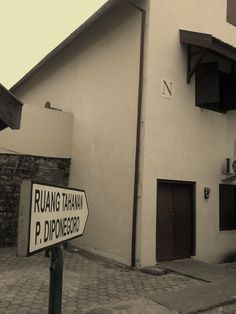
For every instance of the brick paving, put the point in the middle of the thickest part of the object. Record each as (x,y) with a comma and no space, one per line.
(89,282)
(228,266)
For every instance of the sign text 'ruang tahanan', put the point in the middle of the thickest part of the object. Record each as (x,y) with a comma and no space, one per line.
(56,214)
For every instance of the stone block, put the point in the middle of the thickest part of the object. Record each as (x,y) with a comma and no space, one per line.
(13,169)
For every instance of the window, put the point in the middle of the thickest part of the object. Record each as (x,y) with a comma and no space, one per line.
(231,12)
(215,89)
(227,207)
(213,62)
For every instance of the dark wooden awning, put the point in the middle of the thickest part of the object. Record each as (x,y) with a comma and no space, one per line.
(206,43)
(10,110)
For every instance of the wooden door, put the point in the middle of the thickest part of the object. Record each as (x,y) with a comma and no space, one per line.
(175,220)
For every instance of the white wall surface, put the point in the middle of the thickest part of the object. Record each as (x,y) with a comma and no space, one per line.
(97,79)
(181,141)
(43,132)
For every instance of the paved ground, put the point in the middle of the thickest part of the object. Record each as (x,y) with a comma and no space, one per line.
(91,285)
(89,282)
(226,309)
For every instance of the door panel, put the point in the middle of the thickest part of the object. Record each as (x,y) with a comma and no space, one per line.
(174,221)
(182,223)
(165,226)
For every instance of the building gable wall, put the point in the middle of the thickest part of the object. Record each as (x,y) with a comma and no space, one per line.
(97,79)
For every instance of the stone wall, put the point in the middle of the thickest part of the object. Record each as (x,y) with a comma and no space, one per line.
(13,169)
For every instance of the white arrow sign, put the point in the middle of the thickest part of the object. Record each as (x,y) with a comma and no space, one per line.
(54,214)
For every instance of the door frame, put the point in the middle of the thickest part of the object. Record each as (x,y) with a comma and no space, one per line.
(192,184)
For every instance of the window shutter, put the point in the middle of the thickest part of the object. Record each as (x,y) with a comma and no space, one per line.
(227,207)
(231,12)
(211,87)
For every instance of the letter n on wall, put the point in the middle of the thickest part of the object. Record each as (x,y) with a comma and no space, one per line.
(167,89)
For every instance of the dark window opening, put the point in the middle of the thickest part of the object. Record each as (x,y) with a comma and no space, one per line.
(215,89)
(231,12)
(227,207)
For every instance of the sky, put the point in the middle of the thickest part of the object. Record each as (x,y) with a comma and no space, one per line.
(30,29)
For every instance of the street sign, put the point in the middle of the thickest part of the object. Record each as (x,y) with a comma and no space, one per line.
(49,215)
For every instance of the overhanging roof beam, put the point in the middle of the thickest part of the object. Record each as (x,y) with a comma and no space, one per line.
(206,43)
(192,67)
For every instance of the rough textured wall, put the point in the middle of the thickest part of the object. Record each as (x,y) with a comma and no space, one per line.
(15,168)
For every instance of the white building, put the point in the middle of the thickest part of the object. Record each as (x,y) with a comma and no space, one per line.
(141,148)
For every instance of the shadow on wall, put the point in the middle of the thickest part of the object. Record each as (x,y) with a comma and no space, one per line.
(15,168)
(229,257)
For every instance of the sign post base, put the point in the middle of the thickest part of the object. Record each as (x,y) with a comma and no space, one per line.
(56,278)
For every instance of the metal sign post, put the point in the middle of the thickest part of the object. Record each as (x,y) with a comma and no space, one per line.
(56,279)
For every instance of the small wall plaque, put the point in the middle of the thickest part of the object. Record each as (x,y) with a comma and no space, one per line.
(167,89)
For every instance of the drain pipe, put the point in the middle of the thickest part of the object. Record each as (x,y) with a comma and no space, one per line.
(138,133)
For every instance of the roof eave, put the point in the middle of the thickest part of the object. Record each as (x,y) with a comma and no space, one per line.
(10,110)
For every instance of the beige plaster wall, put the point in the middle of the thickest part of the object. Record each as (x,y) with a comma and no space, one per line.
(181,141)
(43,132)
(97,79)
